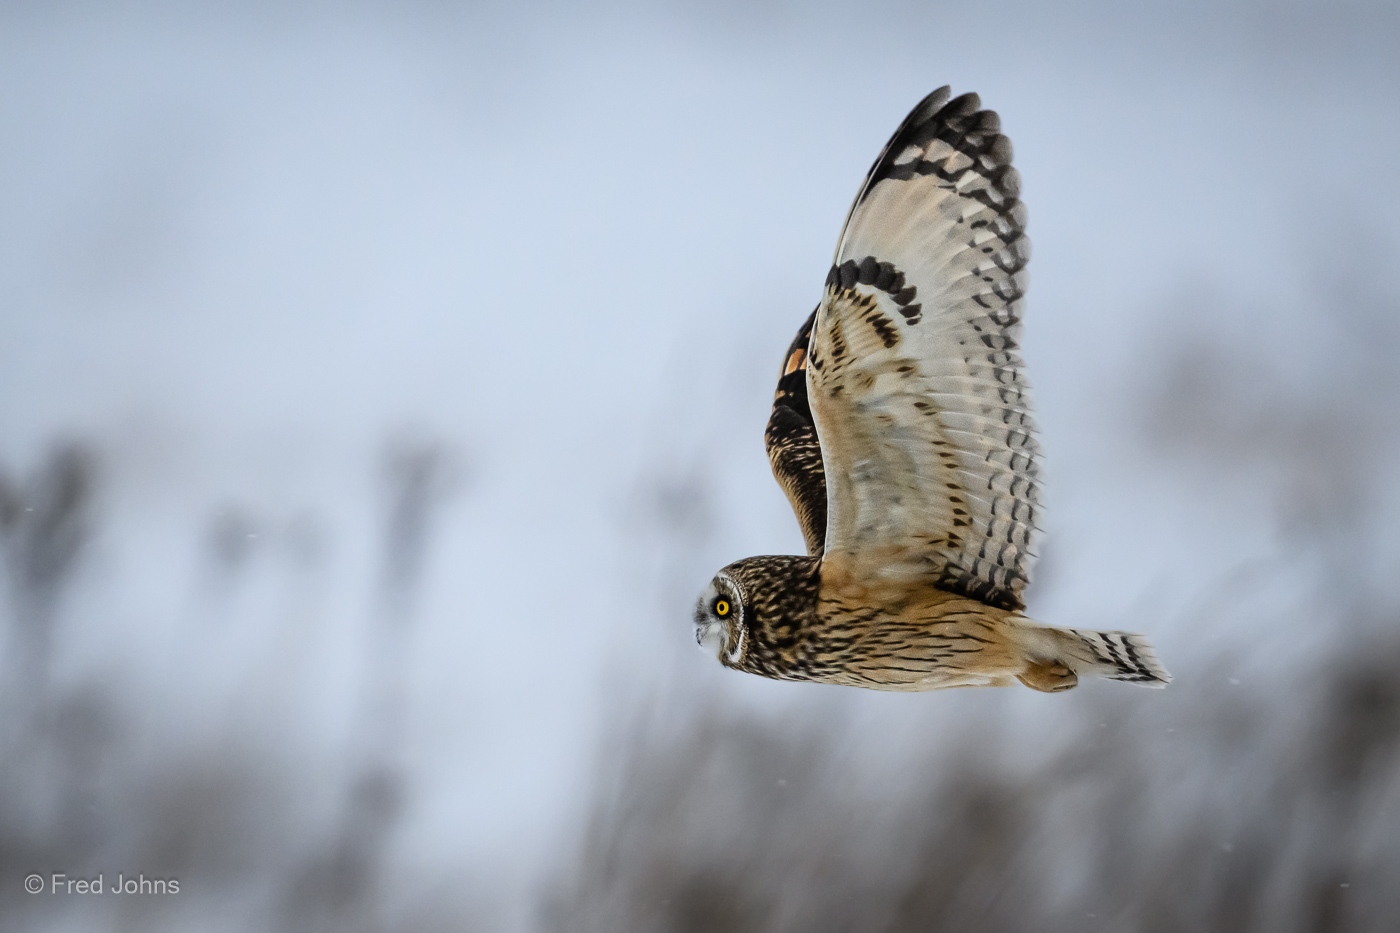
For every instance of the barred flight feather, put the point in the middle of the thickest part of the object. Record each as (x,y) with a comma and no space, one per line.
(928,440)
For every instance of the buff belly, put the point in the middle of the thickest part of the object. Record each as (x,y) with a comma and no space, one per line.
(931,643)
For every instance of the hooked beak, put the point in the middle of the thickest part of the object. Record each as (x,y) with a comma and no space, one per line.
(709,633)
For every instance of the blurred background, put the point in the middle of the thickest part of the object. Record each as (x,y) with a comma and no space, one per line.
(380,383)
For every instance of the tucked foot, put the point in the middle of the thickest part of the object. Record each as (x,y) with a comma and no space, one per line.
(1048,677)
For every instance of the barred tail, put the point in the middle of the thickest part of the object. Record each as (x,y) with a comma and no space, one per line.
(1114,655)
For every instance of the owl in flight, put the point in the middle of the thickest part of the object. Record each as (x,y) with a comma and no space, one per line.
(902,435)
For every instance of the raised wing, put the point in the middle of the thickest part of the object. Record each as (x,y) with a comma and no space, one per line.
(914,378)
(793,448)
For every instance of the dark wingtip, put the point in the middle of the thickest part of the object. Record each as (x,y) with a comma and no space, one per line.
(937,111)
(929,110)
(930,105)
(961,123)
(964,105)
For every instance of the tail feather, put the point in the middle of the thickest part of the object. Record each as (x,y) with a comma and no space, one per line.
(1117,656)
(1114,655)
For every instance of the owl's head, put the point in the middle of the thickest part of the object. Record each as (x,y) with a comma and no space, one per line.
(756,612)
(719,620)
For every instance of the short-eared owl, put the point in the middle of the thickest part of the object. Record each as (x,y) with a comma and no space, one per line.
(902,435)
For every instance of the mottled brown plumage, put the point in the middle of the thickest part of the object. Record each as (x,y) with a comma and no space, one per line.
(793,448)
(901,434)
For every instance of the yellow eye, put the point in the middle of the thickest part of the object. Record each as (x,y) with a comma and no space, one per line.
(721,608)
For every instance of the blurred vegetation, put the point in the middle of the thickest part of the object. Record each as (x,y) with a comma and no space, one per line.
(1265,804)
(1222,823)
(87,788)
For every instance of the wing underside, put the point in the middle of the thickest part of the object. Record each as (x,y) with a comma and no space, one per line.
(914,376)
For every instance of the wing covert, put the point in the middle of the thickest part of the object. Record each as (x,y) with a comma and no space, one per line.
(915,386)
